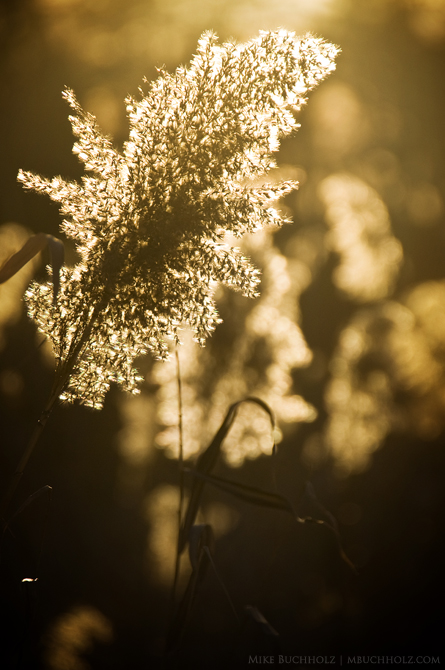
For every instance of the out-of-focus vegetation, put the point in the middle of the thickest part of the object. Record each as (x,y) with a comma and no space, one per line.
(346,343)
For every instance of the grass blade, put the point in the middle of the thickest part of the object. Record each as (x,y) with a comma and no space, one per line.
(199,559)
(34,496)
(221,582)
(57,252)
(275,501)
(34,245)
(265,627)
(31,248)
(206,462)
(201,535)
(249,494)
(331,524)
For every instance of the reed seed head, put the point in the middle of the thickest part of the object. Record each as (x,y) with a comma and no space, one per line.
(151,222)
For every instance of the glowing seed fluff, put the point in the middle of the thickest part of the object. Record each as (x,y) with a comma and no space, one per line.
(150,222)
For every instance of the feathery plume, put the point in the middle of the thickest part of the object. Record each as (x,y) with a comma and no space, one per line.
(150,223)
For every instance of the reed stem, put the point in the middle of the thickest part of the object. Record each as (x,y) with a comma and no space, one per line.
(60,381)
(38,430)
(181,491)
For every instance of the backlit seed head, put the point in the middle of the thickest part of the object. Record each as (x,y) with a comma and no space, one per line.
(150,222)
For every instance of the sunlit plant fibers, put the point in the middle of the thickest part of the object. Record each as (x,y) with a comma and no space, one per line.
(150,222)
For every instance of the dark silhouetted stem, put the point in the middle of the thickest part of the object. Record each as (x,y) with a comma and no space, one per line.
(62,377)
(38,430)
(181,492)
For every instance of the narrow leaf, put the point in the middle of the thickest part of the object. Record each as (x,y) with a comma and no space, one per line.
(199,559)
(45,489)
(206,463)
(331,524)
(57,251)
(34,245)
(208,458)
(31,248)
(310,493)
(256,616)
(201,535)
(220,579)
(248,493)
(275,501)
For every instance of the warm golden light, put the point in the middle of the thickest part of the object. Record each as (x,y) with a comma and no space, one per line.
(162,515)
(269,327)
(74,633)
(392,348)
(361,234)
(12,238)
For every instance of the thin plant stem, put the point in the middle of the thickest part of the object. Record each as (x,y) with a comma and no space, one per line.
(181,488)
(221,583)
(38,430)
(181,442)
(60,381)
